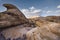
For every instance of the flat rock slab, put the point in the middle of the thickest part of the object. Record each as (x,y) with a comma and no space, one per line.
(18,32)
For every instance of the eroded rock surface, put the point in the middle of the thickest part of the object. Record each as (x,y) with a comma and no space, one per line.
(17,32)
(17,27)
(12,16)
(50,31)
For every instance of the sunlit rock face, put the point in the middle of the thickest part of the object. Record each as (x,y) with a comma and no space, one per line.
(12,16)
(14,24)
(50,31)
(48,28)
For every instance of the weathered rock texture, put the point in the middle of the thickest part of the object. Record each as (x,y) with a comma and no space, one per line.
(46,29)
(17,27)
(14,24)
(12,16)
(17,32)
(50,31)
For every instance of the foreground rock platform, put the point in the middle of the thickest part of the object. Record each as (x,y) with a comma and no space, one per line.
(50,31)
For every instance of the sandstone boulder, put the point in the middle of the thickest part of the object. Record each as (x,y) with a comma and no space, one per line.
(12,16)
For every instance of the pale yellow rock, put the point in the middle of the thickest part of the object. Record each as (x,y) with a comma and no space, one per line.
(33,34)
(44,32)
(55,28)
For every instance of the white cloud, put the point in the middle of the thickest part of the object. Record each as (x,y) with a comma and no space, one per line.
(58,6)
(32,8)
(57,11)
(49,12)
(36,11)
(32,11)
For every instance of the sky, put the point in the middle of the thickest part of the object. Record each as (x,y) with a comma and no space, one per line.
(35,8)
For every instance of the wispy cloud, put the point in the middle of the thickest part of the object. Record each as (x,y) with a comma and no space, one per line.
(31,11)
(49,12)
(34,12)
(57,11)
(58,6)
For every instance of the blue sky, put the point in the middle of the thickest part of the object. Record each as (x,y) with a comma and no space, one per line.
(32,8)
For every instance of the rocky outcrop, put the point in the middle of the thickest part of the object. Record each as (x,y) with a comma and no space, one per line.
(17,32)
(12,16)
(50,31)
(45,30)
(17,27)
(13,24)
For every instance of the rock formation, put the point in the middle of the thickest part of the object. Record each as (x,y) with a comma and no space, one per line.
(14,24)
(50,31)
(45,30)
(17,32)
(17,27)
(12,16)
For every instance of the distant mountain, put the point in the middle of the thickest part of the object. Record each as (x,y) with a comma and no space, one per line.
(53,19)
